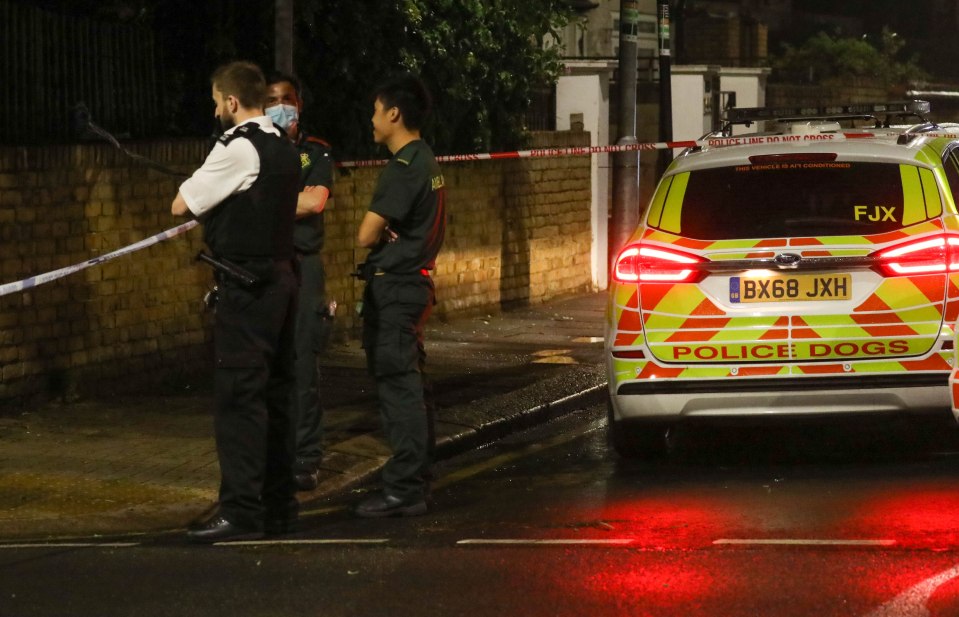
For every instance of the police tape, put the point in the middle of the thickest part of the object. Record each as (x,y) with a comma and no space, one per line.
(712,142)
(33,281)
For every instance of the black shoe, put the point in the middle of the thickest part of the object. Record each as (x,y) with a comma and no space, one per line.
(383,505)
(218,529)
(307,474)
(307,480)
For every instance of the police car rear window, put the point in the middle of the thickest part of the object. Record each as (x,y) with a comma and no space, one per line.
(795,199)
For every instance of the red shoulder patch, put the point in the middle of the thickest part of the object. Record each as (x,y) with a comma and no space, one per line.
(317,140)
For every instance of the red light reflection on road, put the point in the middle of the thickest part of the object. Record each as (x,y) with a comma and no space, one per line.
(922,516)
(660,586)
(945,601)
(918,517)
(669,521)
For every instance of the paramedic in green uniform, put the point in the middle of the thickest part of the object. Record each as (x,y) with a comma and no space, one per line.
(404,228)
(313,319)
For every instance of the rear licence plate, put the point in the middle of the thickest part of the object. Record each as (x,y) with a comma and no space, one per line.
(790,288)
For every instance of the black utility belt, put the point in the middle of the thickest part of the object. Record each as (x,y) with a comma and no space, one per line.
(420,272)
(366,272)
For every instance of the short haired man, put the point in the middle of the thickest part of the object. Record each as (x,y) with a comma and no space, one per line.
(404,228)
(245,194)
(284,104)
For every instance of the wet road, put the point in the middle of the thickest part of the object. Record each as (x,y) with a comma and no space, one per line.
(853,519)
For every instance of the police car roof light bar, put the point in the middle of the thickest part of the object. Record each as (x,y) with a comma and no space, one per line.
(748,115)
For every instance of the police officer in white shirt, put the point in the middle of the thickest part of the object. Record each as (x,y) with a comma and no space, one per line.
(245,195)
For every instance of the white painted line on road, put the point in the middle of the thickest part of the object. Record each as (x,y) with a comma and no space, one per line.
(532,542)
(912,602)
(803,542)
(70,545)
(304,542)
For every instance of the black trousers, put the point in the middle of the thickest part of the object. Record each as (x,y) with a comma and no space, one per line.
(395,310)
(253,422)
(313,327)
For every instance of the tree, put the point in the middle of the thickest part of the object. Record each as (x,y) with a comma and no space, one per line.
(825,59)
(482,59)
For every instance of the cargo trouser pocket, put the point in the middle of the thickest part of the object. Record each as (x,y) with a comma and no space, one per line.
(395,353)
(391,339)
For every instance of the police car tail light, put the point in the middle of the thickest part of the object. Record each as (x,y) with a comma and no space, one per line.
(640,263)
(938,254)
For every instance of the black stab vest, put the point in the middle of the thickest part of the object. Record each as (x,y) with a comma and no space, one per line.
(258,223)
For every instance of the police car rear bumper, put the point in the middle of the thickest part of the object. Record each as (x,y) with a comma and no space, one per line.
(666,400)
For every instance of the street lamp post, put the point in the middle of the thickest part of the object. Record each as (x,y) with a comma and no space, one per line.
(665,86)
(625,216)
(283,39)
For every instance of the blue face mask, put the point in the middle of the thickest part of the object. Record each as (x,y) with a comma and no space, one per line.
(283,115)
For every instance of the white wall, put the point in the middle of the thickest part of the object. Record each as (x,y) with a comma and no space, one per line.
(689,91)
(589,96)
(690,120)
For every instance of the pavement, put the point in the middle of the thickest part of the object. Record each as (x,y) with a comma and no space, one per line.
(147,463)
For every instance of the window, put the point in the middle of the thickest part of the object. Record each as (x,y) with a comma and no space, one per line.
(951,164)
(797,199)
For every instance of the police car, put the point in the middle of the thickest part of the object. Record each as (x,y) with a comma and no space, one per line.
(797,271)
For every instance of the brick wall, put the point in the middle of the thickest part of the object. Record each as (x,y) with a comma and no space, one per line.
(519,233)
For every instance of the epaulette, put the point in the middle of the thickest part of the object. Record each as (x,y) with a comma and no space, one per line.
(243,130)
(408,160)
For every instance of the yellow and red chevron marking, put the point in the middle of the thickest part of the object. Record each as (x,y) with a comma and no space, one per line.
(626,339)
(654,371)
(692,336)
(653,295)
(629,370)
(805,242)
(910,298)
(638,370)
(874,305)
(932,287)
(952,299)
(624,313)
(890,331)
(677,300)
(934,363)
(878,316)
(820,369)
(706,323)
(760,371)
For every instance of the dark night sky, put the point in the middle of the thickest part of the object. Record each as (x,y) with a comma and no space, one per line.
(926,29)
(927,26)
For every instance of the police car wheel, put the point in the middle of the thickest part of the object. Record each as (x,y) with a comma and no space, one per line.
(637,440)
